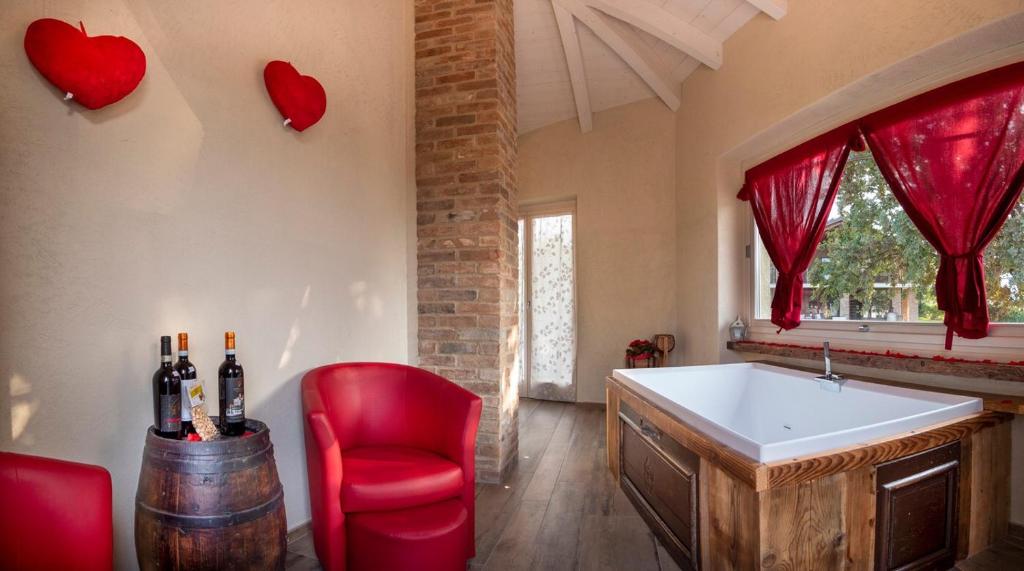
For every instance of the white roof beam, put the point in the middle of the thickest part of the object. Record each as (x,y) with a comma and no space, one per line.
(774,8)
(665,26)
(647,71)
(574,59)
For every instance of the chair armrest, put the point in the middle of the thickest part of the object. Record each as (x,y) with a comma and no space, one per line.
(323,460)
(458,416)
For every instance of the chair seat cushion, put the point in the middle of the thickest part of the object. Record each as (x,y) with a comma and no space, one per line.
(392,477)
(426,538)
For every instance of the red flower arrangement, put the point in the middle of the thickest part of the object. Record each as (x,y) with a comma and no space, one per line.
(640,349)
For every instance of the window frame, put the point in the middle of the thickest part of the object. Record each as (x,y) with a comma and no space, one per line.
(1005,340)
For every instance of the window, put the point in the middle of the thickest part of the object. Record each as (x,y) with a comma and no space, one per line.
(874,265)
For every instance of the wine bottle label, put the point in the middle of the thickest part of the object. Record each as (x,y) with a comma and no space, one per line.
(194,392)
(186,411)
(170,413)
(234,399)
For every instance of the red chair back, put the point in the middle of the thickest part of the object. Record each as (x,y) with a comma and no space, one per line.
(384,404)
(56,514)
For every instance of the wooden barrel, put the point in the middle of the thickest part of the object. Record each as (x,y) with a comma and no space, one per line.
(210,505)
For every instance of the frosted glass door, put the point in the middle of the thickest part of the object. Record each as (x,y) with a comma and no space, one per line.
(549,308)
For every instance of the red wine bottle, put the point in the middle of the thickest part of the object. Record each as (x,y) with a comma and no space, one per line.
(231,388)
(166,394)
(187,372)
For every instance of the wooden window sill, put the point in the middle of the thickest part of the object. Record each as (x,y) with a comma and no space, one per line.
(994,371)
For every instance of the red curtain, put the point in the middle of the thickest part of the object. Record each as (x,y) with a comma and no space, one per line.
(791,196)
(954,158)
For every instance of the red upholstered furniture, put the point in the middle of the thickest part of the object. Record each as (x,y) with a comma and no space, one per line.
(56,515)
(391,475)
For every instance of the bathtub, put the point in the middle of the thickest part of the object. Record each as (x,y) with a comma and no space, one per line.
(773,413)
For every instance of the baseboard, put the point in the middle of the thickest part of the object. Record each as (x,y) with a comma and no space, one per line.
(298,532)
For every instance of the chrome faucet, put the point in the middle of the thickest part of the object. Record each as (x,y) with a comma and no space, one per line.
(830,381)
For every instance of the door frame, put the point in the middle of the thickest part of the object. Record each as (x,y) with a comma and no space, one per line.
(528,212)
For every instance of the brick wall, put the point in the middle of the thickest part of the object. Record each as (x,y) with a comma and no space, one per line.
(466,210)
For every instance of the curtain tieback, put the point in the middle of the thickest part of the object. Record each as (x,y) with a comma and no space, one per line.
(959,289)
(960,282)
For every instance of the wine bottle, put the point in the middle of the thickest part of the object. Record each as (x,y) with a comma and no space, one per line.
(231,387)
(187,372)
(166,394)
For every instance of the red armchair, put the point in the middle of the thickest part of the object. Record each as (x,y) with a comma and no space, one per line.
(56,514)
(389,450)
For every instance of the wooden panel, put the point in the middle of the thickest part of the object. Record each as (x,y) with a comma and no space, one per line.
(806,469)
(729,516)
(860,518)
(964,500)
(739,465)
(989,487)
(612,428)
(917,510)
(802,526)
(661,478)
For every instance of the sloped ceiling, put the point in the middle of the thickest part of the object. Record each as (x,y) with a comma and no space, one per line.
(617,51)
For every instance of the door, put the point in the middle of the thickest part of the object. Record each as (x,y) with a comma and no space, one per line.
(547,302)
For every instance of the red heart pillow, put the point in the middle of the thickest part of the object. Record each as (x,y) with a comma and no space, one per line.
(96,71)
(300,98)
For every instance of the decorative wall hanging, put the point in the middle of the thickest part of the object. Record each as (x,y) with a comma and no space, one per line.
(94,71)
(300,98)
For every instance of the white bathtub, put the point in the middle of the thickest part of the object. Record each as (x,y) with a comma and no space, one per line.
(773,413)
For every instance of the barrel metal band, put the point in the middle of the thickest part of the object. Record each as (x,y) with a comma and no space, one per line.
(214,521)
(218,465)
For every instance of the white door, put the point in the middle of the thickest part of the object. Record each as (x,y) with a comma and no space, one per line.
(547,302)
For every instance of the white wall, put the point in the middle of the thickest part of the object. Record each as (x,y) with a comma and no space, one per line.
(622,175)
(187,207)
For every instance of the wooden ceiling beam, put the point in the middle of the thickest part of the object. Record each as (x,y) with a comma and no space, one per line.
(774,8)
(574,59)
(665,26)
(647,71)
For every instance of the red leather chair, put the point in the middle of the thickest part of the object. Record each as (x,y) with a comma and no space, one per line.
(56,514)
(391,473)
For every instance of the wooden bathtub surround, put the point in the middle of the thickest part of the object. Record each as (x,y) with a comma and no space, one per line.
(838,510)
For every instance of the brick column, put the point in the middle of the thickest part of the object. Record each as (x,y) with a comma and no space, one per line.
(466,211)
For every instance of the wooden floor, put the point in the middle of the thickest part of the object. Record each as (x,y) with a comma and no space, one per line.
(560,509)
(1006,555)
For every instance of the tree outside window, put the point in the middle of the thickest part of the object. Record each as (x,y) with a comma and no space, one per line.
(874,264)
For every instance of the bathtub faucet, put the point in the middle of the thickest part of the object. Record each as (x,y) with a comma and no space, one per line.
(830,381)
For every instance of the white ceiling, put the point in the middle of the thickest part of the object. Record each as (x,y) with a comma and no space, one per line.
(545,92)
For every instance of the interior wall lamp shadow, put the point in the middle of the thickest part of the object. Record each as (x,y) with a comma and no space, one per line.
(300,98)
(94,71)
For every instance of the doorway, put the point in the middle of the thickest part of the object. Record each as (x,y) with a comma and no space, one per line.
(547,301)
